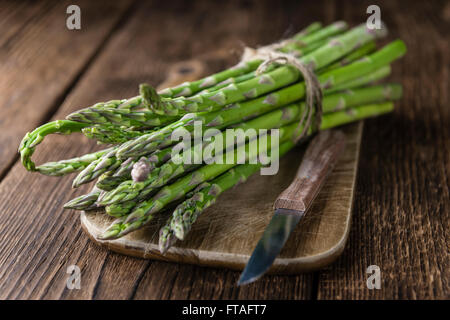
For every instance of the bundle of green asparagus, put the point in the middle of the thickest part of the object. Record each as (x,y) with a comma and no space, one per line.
(140,174)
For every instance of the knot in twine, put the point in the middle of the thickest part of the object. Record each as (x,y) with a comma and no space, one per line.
(313,105)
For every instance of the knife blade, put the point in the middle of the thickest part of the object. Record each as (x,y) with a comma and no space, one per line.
(292,204)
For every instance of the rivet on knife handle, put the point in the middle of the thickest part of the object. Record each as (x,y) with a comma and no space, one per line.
(318,161)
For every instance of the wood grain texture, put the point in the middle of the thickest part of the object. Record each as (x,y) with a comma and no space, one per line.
(401,218)
(41,59)
(402,201)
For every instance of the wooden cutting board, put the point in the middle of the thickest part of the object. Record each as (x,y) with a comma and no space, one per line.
(227,232)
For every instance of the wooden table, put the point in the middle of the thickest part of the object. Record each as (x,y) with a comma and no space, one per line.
(401,211)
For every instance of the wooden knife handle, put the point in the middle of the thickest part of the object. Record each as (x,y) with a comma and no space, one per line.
(318,161)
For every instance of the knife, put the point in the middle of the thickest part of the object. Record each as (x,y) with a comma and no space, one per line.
(292,204)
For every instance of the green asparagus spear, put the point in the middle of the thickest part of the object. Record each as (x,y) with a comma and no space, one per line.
(328,80)
(120,117)
(368,78)
(112,179)
(63,167)
(315,37)
(266,82)
(107,162)
(190,88)
(358,53)
(353,56)
(145,210)
(131,193)
(186,213)
(112,134)
(31,140)
(332,78)
(129,190)
(84,202)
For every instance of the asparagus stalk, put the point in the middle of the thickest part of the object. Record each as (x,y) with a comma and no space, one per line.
(144,212)
(111,134)
(148,143)
(368,78)
(315,37)
(121,112)
(31,140)
(190,88)
(302,51)
(266,82)
(160,156)
(120,117)
(108,182)
(358,53)
(139,119)
(129,190)
(298,49)
(115,113)
(186,213)
(107,162)
(130,104)
(364,66)
(84,202)
(110,162)
(120,209)
(63,167)
(151,142)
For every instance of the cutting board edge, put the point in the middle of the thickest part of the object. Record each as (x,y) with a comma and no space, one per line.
(215,259)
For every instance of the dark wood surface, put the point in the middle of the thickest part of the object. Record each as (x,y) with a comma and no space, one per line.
(400,220)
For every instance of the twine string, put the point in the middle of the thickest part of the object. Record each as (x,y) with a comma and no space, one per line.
(313,105)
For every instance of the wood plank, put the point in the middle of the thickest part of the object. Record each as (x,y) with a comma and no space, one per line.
(16,16)
(30,83)
(40,240)
(401,217)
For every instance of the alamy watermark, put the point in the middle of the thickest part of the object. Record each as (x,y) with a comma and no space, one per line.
(374,20)
(374,280)
(73,21)
(74,279)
